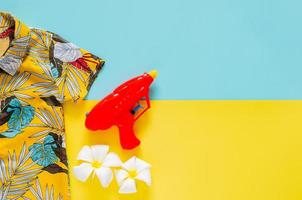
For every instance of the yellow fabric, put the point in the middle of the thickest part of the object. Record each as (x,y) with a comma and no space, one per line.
(39,72)
(212,150)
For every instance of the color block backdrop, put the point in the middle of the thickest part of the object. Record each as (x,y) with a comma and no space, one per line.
(203,49)
(203,150)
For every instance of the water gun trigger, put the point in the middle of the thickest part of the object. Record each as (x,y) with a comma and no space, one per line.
(139,106)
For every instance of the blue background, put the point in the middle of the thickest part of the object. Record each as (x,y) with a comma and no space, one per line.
(203,49)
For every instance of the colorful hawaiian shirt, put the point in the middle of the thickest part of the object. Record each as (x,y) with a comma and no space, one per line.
(38,73)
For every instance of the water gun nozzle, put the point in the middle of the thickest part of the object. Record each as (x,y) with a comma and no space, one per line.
(153,74)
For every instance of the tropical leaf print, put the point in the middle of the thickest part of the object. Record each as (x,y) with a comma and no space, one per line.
(15,54)
(16,174)
(19,117)
(41,48)
(43,153)
(49,152)
(51,122)
(81,64)
(47,86)
(67,52)
(67,69)
(40,43)
(48,193)
(52,101)
(4,114)
(19,45)
(50,148)
(14,86)
(98,67)
(69,81)
(10,63)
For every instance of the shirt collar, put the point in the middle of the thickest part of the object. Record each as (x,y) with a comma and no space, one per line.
(18,48)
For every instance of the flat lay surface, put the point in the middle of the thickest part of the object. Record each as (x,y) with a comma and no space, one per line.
(218,49)
(230,150)
(226,109)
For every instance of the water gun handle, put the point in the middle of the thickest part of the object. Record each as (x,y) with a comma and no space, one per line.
(128,139)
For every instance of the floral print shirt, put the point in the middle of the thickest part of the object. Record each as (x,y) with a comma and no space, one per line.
(38,73)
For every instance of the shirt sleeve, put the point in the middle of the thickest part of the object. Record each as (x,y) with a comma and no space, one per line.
(75,68)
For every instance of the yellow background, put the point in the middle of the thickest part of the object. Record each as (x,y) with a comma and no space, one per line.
(210,150)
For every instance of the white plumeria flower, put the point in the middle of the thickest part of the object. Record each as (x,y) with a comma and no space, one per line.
(132,170)
(96,161)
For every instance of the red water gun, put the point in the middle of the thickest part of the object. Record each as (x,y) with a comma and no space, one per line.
(122,108)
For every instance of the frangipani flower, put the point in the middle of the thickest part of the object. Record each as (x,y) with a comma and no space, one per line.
(132,170)
(96,161)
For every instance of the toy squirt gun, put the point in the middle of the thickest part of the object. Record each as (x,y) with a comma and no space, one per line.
(122,108)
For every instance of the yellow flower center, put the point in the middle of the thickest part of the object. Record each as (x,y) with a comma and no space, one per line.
(96,164)
(132,173)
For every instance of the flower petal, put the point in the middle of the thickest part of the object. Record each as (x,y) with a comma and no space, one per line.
(141,165)
(105,176)
(128,186)
(99,152)
(82,171)
(112,160)
(121,175)
(144,176)
(137,164)
(85,154)
(130,164)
